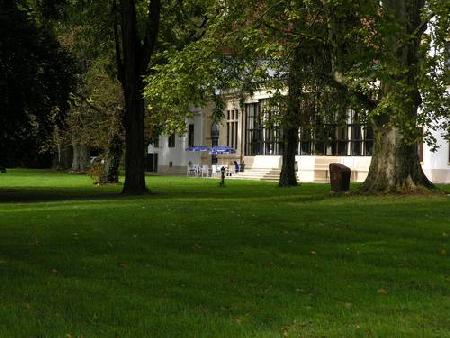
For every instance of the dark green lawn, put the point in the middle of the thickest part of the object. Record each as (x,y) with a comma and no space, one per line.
(195,260)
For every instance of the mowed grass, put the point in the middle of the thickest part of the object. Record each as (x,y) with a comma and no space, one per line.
(195,260)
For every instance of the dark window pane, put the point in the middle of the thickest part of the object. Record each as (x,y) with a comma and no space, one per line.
(172,140)
(191,135)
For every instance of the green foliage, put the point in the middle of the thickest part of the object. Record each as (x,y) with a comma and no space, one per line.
(345,52)
(96,171)
(36,77)
(96,109)
(248,46)
(406,95)
(86,30)
(434,80)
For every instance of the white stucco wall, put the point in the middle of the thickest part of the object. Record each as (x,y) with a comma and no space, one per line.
(436,164)
(315,168)
(175,159)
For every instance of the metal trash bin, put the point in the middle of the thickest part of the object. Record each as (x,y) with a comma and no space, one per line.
(339,177)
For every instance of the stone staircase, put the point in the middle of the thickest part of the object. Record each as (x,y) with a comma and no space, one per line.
(259,174)
(316,171)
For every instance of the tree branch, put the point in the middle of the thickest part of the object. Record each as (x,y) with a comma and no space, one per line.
(151,34)
(363,98)
(85,100)
(119,61)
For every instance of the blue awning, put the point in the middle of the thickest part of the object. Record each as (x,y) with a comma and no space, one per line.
(215,150)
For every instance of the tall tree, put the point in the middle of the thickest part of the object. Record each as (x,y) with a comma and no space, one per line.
(395,162)
(395,66)
(36,78)
(133,54)
(95,118)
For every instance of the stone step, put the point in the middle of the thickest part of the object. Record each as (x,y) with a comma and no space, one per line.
(259,171)
(258,174)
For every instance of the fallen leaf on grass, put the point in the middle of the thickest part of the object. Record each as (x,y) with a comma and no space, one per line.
(382,291)
(196,247)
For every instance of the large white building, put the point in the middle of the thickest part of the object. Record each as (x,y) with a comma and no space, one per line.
(246,129)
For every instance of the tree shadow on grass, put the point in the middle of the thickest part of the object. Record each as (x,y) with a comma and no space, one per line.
(47,186)
(54,194)
(17,195)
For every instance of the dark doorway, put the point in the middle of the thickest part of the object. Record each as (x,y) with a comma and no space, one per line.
(151,163)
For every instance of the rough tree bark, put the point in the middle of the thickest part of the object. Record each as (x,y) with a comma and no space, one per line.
(80,156)
(63,158)
(290,125)
(133,56)
(112,160)
(395,165)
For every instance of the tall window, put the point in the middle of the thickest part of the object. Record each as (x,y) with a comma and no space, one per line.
(154,141)
(344,134)
(171,140)
(232,127)
(262,133)
(339,136)
(215,133)
(253,129)
(191,136)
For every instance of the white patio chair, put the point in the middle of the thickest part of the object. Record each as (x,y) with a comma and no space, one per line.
(218,169)
(192,170)
(213,170)
(204,170)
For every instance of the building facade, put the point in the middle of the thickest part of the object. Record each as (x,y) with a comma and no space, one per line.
(252,130)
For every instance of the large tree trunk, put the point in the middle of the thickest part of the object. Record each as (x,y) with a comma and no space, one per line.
(75,156)
(84,157)
(288,175)
(134,102)
(133,56)
(80,158)
(63,158)
(395,165)
(134,141)
(290,124)
(112,161)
